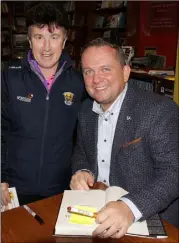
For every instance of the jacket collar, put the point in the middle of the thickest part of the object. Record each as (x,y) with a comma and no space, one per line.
(64,58)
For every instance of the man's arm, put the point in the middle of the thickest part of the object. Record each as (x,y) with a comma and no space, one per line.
(163,148)
(79,158)
(83,177)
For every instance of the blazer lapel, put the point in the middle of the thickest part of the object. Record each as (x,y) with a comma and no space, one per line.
(92,121)
(124,126)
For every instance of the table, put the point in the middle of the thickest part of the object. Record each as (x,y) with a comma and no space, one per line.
(18,226)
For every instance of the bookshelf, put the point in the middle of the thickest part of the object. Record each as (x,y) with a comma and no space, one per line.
(14,32)
(6,33)
(109,20)
(153,83)
(77,29)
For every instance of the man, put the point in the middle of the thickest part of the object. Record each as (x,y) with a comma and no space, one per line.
(126,137)
(41,97)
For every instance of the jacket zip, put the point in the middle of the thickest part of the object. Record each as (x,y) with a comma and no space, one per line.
(46,118)
(43,136)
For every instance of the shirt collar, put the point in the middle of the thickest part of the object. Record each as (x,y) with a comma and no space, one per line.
(114,108)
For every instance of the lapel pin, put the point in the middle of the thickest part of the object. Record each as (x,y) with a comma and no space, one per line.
(129,118)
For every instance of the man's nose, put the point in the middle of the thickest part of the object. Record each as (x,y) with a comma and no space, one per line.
(46,45)
(96,78)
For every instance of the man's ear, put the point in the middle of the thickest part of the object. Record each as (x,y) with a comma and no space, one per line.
(30,43)
(126,72)
(64,42)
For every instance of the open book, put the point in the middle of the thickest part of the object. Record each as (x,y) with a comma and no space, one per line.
(14,200)
(71,224)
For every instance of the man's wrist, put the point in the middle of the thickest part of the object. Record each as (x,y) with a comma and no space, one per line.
(137,214)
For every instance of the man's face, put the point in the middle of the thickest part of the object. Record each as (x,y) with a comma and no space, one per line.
(104,76)
(46,46)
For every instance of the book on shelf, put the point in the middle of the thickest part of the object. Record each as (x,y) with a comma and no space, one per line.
(148,86)
(72,224)
(4,8)
(99,21)
(70,49)
(111,4)
(71,34)
(5,36)
(19,40)
(107,34)
(5,51)
(69,6)
(114,21)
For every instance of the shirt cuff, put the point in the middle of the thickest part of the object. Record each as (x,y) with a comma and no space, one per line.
(133,208)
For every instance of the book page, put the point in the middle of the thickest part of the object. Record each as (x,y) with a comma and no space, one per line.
(138,228)
(14,200)
(114,193)
(68,224)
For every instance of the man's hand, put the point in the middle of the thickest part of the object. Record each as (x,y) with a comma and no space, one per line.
(114,219)
(82,180)
(5,197)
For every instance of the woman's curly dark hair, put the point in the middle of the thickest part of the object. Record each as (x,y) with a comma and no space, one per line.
(45,13)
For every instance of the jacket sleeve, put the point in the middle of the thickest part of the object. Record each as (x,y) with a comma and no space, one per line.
(79,158)
(162,144)
(5,126)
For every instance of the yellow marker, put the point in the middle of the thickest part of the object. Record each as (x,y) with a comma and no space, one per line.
(81,219)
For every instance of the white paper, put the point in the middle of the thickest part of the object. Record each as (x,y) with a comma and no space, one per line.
(14,200)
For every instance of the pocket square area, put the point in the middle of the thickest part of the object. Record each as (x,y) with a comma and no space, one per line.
(125,145)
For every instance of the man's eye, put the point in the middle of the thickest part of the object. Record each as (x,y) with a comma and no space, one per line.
(38,37)
(54,37)
(105,69)
(87,72)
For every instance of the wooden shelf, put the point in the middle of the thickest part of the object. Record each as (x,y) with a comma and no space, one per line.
(111,10)
(70,12)
(70,41)
(5,28)
(16,32)
(6,57)
(4,14)
(108,28)
(77,26)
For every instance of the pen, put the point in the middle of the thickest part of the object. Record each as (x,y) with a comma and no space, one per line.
(37,217)
(81,212)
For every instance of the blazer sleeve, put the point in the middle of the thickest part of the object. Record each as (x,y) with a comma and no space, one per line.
(79,158)
(162,144)
(5,126)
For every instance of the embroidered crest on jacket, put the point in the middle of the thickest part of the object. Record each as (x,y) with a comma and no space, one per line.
(68,98)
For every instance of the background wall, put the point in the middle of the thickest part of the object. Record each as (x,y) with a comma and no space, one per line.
(156,26)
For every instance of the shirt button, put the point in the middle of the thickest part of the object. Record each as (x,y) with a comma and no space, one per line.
(106,119)
(48,83)
(103,160)
(104,181)
(104,140)
(112,114)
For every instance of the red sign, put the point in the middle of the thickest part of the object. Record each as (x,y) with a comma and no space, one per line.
(163,16)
